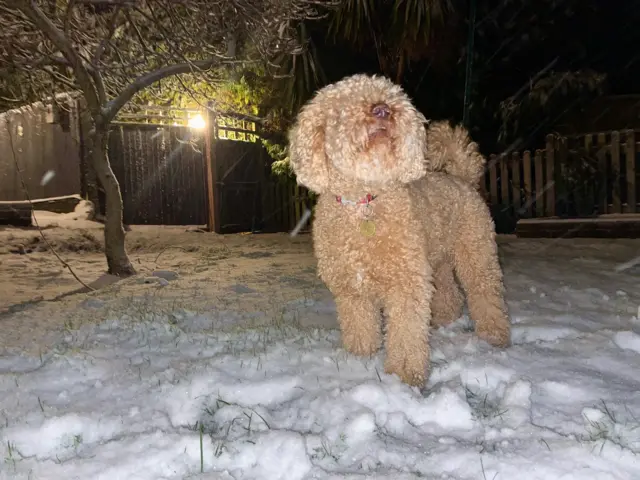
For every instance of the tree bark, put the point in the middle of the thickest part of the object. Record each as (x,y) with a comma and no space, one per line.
(117,259)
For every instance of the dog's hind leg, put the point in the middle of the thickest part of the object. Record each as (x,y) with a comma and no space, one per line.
(448,300)
(476,262)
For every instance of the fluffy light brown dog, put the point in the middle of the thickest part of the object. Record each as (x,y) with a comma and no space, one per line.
(389,228)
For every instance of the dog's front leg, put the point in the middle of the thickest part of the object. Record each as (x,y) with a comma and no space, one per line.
(359,319)
(408,315)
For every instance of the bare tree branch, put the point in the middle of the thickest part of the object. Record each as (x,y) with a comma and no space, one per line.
(148,79)
(36,15)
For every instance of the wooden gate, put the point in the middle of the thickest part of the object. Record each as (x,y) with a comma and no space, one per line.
(215,173)
(241,175)
(161,172)
(246,196)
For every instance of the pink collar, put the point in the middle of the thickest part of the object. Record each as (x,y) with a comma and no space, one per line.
(363,201)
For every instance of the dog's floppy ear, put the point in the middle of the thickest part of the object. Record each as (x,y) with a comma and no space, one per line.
(414,145)
(307,147)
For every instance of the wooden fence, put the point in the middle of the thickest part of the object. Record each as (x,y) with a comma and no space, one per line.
(36,139)
(160,167)
(289,202)
(572,177)
(161,174)
(246,195)
(576,177)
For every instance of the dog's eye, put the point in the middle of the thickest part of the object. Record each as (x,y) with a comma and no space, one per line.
(381,110)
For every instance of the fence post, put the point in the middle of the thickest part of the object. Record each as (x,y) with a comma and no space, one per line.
(515,178)
(277,216)
(562,155)
(213,217)
(528,187)
(550,187)
(630,153)
(291,199)
(296,195)
(615,172)
(14,159)
(601,153)
(73,104)
(539,183)
(588,145)
(504,181)
(482,187)
(493,180)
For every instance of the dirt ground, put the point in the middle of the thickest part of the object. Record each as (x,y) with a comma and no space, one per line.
(178,267)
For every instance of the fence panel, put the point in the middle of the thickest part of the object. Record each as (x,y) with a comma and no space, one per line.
(161,174)
(631,170)
(29,138)
(580,176)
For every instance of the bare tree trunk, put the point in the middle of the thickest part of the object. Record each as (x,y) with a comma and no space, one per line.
(117,259)
(90,186)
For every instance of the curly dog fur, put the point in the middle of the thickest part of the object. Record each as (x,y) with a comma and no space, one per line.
(397,213)
(450,150)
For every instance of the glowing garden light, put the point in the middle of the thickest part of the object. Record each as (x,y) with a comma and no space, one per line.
(197,122)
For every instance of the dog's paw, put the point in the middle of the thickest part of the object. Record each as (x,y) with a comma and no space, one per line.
(412,377)
(497,334)
(443,321)
(412,373)
(361,346)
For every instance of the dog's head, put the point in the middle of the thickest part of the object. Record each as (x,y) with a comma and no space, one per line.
(362,130)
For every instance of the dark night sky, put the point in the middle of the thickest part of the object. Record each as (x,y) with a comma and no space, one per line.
(514,40)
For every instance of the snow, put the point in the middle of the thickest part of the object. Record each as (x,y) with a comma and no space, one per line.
(628,340)
(147,387)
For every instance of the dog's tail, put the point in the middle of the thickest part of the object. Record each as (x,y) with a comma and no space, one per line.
(450,150)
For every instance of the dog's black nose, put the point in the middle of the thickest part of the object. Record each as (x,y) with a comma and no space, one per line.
(381,110)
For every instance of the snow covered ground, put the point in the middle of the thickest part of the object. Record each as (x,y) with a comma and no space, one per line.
(151,387)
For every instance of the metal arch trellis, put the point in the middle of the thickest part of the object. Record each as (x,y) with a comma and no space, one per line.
(236,128)
(165,116)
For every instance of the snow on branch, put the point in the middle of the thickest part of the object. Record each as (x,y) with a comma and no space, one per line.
(112,49)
